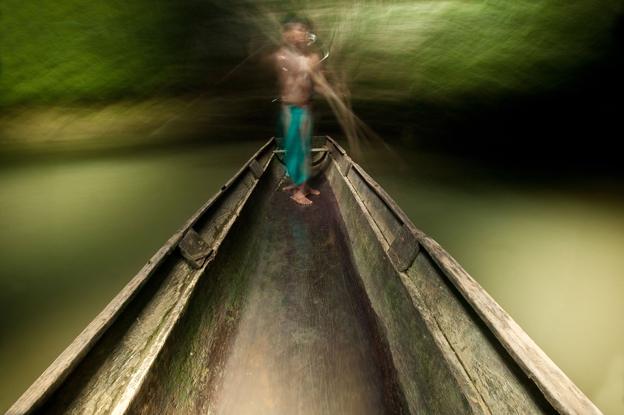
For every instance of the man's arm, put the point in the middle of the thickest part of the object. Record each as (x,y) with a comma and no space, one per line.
(321,85)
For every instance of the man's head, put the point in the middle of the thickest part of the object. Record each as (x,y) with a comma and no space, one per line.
(296,31)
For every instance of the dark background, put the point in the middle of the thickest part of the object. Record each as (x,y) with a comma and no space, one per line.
(542,96)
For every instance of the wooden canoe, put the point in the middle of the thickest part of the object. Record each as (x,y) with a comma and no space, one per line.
(260,306)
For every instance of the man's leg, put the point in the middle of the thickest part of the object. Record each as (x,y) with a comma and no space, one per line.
(282,131)
(295,159)
(306,136)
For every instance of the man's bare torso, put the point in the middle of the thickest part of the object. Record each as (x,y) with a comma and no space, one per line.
(295,70)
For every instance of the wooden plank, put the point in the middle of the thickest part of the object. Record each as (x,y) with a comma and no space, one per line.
(389,223)
(56,373)
(404,249)
(339,155)
(500,382)
(255,168)
(339,148)
(431,378)
(560,391)
(194,249)
(314,150)
(387,242)
(62,366)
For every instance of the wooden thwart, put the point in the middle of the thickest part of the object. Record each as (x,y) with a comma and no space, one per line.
(404,249)
(194,248)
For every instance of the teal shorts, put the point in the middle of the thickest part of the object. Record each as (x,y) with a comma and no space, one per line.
(297,130)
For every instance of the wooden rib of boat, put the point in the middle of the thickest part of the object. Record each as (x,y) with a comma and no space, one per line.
(258,305)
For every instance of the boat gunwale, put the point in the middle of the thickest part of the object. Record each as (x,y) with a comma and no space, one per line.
(558,389)
(183,301)
(454,366)
(56,373)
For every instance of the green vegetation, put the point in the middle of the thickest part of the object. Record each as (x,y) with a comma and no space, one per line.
(69,50)
(143,69)
(444,50)
(427,50)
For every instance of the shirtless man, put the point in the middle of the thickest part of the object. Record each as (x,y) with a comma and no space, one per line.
(297,67)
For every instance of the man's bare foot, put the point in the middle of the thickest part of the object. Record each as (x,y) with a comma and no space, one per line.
(313,191)
(300,198)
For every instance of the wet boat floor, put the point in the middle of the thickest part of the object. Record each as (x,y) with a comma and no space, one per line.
(305,343)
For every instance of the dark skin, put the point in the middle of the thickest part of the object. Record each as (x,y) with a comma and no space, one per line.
(299,75)
(297,66)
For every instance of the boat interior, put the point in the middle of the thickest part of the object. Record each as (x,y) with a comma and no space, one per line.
(258,305)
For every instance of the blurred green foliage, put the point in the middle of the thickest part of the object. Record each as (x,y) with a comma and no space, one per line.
(425,50)
(97,50)
(442,50)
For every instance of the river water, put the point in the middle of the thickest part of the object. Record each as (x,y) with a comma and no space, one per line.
(74,230)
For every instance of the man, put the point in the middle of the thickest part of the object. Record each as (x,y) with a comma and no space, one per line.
(298,71)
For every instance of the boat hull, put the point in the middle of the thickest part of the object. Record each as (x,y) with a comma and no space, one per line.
(338,307)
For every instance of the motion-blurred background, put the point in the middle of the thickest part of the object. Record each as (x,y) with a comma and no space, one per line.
(500,123)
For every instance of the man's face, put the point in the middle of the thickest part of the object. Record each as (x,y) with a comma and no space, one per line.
(296,34)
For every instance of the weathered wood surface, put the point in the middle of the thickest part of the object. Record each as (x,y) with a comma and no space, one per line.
(340,307)
(560,391)
(431,383)
(303,342)
(194,248)
(70,358)
(564,396)
(499,382)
